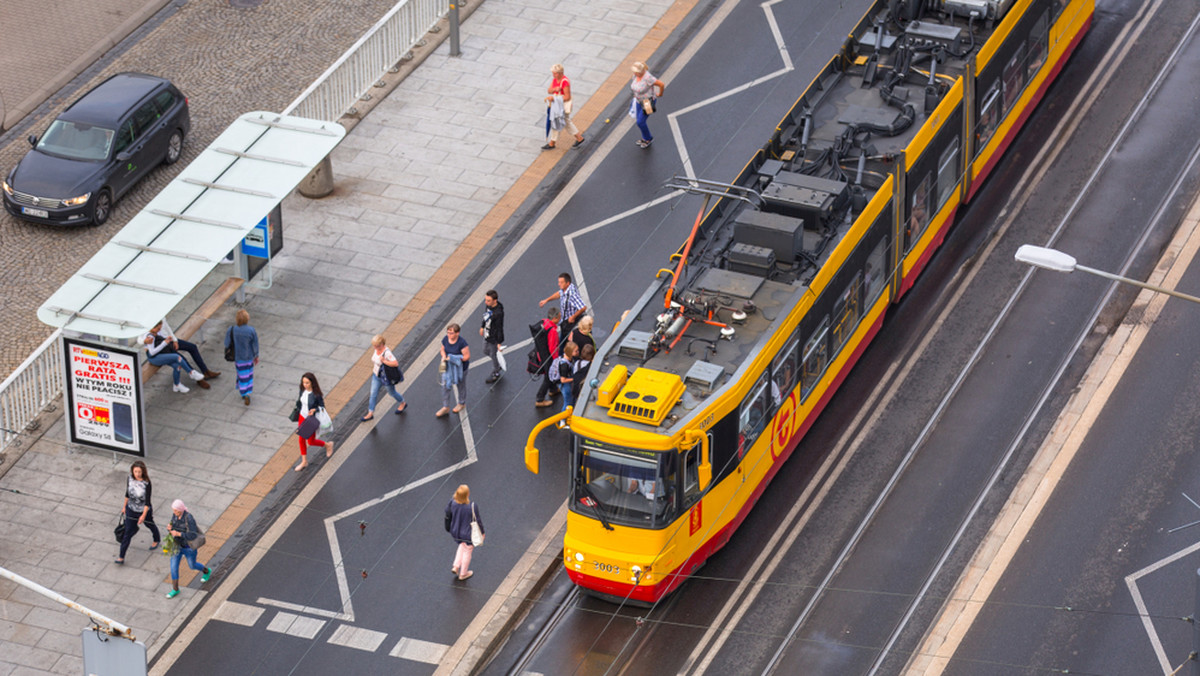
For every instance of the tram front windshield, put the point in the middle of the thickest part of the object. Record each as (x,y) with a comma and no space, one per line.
(625,486)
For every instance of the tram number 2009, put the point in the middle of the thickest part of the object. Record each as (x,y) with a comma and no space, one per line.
(609,568)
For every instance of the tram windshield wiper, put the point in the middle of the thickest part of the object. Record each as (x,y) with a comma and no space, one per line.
(593,502)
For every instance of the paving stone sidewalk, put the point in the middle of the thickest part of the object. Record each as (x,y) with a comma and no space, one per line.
(414,179)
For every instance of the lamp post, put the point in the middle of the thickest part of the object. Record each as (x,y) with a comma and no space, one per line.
(1053,259)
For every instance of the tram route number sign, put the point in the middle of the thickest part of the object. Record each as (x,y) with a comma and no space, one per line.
(104,397)
(784,426)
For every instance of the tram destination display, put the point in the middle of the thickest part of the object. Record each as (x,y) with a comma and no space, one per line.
(104,397)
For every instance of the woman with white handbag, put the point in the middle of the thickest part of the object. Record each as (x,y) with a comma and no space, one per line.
(311,416)
(465,526)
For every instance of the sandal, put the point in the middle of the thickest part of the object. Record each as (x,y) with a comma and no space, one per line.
(441,412)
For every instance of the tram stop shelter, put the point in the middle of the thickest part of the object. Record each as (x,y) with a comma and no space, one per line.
(212,207)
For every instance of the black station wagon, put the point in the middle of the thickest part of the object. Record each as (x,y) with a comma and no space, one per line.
(98,149)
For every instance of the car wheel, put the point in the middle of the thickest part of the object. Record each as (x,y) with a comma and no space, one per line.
(174,147)
(102,208)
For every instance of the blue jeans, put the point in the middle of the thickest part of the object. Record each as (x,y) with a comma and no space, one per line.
(378,382)
(641,123)
(190,555)
(173,359)
(568,395)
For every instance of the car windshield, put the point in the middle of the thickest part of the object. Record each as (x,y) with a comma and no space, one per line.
(623,485)
(76,140)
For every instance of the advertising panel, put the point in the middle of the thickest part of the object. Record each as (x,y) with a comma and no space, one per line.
(104,397)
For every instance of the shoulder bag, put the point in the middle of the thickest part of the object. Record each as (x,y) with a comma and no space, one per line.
(393,374)
(476,531)
(230,355)
(119,531)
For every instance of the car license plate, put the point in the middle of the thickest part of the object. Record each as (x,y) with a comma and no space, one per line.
(39,213)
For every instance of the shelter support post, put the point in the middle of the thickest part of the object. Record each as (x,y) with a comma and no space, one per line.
(319,182)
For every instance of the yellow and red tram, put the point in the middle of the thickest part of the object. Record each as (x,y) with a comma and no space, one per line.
(713,377)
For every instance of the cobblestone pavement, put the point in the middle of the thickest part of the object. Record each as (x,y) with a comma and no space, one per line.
(408,214)
(35,61)
(227,61)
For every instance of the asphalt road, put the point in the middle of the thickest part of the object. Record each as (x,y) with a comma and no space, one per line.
(903,560)
(948,444)
(398,481)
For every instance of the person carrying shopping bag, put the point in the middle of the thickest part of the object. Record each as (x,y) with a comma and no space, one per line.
(187,538)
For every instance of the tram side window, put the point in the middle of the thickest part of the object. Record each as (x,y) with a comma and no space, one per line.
(921,212)
(948,166)
(1014,77)
(873,273)
(753,419)
(846,312)
(816,358)
(691,475)
(1040,37)
(989,115)
(783,371)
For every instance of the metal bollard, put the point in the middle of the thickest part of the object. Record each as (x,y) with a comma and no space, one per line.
(453,18)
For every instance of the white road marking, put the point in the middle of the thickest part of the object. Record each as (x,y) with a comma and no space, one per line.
(419,651)
(238,613)
(358,638)
(295,625)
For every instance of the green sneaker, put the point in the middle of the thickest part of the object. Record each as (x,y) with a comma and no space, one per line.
(173,593)
(207,574)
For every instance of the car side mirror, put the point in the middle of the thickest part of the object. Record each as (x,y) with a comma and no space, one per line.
(124,156)
(32,139)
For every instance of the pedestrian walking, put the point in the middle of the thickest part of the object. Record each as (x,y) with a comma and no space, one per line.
(560,96)
(570,304)
(243,340)
(461,516)
(492,332)
(546,354)
(138,508)
(456,358)
(188,538)
(311,415)
(160,351)
(645,102)
(386,374)
(582,335)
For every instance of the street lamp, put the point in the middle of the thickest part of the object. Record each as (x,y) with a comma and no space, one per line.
(1053,259)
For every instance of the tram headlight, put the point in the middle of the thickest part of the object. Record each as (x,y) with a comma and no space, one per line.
(579,556)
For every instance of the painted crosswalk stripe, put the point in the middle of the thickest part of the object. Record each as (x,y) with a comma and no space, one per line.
(238,613)
(295,625)
(357,637)
(419,651)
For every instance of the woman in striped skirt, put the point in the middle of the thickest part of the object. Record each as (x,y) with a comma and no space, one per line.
(244,340)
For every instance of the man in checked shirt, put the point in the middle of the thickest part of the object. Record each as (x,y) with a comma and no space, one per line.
(570,304)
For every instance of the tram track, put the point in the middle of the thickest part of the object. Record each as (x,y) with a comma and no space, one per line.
(703,657)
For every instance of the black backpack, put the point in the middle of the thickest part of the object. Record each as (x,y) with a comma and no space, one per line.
(539,356)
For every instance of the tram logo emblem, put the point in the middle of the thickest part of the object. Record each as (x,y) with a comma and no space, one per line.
(695,519)
(784,426)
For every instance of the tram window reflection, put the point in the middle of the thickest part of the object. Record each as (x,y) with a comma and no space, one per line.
(816,358)
(631,490)
(754,415)
(783,371)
